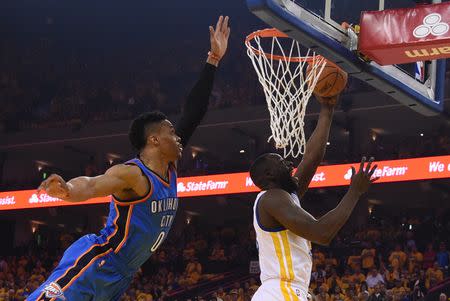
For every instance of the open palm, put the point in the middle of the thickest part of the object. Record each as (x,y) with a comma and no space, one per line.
(219,37)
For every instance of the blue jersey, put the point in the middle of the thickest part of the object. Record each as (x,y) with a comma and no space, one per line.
(136,228)
(102,266)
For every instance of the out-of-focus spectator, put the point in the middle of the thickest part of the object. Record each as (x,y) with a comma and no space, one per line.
(364,293)
(378,294)
(331,260)
(399,291)
(434,275)
(443,256)
(397,258)
(318,258)
(368,257)
(354,261)
(217,253)
(191,274)
(429,257)
(374,278)
(415,259)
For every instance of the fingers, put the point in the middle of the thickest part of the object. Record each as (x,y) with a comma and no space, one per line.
(211,32)
(219,23)
(224,28)
(56,189)
(353,171)
(44,184)
(361,166)
(373,170)
(368,165)
(227,34)
(374,179)
(50,180)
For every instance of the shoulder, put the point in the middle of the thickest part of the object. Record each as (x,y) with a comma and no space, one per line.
(276,193)
(275,196)
(124,171)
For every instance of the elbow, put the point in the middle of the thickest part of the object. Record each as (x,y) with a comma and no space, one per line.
(317,239)
(324,237)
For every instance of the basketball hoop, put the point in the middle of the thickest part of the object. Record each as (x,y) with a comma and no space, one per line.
(287,87)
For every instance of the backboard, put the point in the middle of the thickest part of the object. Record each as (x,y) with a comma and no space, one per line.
(316,25)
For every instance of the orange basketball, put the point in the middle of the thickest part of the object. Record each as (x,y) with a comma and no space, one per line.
(331,82)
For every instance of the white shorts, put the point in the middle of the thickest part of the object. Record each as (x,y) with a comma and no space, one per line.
(277,290)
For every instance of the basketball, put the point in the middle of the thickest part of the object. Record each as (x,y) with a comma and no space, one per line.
(331,82)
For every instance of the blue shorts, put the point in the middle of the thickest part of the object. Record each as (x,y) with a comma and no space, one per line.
(88,270)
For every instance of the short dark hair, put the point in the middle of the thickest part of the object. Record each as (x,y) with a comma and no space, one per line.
(257,170)
(138,131)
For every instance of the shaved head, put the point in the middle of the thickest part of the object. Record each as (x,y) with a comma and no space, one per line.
(259,170)
(272,171)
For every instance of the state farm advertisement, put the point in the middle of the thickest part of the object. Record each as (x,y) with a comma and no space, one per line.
(326,176)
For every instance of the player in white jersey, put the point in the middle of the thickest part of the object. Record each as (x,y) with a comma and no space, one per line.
(283,228)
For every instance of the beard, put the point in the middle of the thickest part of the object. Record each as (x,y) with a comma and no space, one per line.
(288,183)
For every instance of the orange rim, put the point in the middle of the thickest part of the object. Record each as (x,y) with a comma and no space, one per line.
(274,33)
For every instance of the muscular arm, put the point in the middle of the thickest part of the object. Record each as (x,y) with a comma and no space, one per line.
(117,179)
(315,149)
(278,203)
(196,104)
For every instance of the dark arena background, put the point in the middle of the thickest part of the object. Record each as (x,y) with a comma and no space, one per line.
(73,74)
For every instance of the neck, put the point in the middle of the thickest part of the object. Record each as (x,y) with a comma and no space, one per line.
(271,186)
(155,162)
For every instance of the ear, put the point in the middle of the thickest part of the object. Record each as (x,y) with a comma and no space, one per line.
(153,140)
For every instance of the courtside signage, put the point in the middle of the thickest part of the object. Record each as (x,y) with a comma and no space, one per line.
(326,176)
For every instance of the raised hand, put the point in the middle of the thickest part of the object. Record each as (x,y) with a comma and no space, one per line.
(55,186)
(361,181)
(219,37)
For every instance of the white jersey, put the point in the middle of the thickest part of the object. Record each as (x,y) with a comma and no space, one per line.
(284,258)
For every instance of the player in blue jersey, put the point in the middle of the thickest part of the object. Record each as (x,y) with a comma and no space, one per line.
(144,199)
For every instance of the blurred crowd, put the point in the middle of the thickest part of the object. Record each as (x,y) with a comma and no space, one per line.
(43,84)
(392,260)
(193,258)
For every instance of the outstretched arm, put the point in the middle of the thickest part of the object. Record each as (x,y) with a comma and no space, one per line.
(197,102)
(315,147)
(278,203)
(115,180)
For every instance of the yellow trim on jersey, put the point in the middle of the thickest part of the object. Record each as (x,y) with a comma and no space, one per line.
(287,251)
(279,252)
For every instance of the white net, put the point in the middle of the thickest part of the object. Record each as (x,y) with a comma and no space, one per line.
(287,87)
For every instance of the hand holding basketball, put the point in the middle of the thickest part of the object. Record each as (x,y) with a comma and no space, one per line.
(331,82)
(219,38)
(55,186)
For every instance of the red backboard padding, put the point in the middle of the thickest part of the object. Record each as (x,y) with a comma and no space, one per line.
(397,36)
